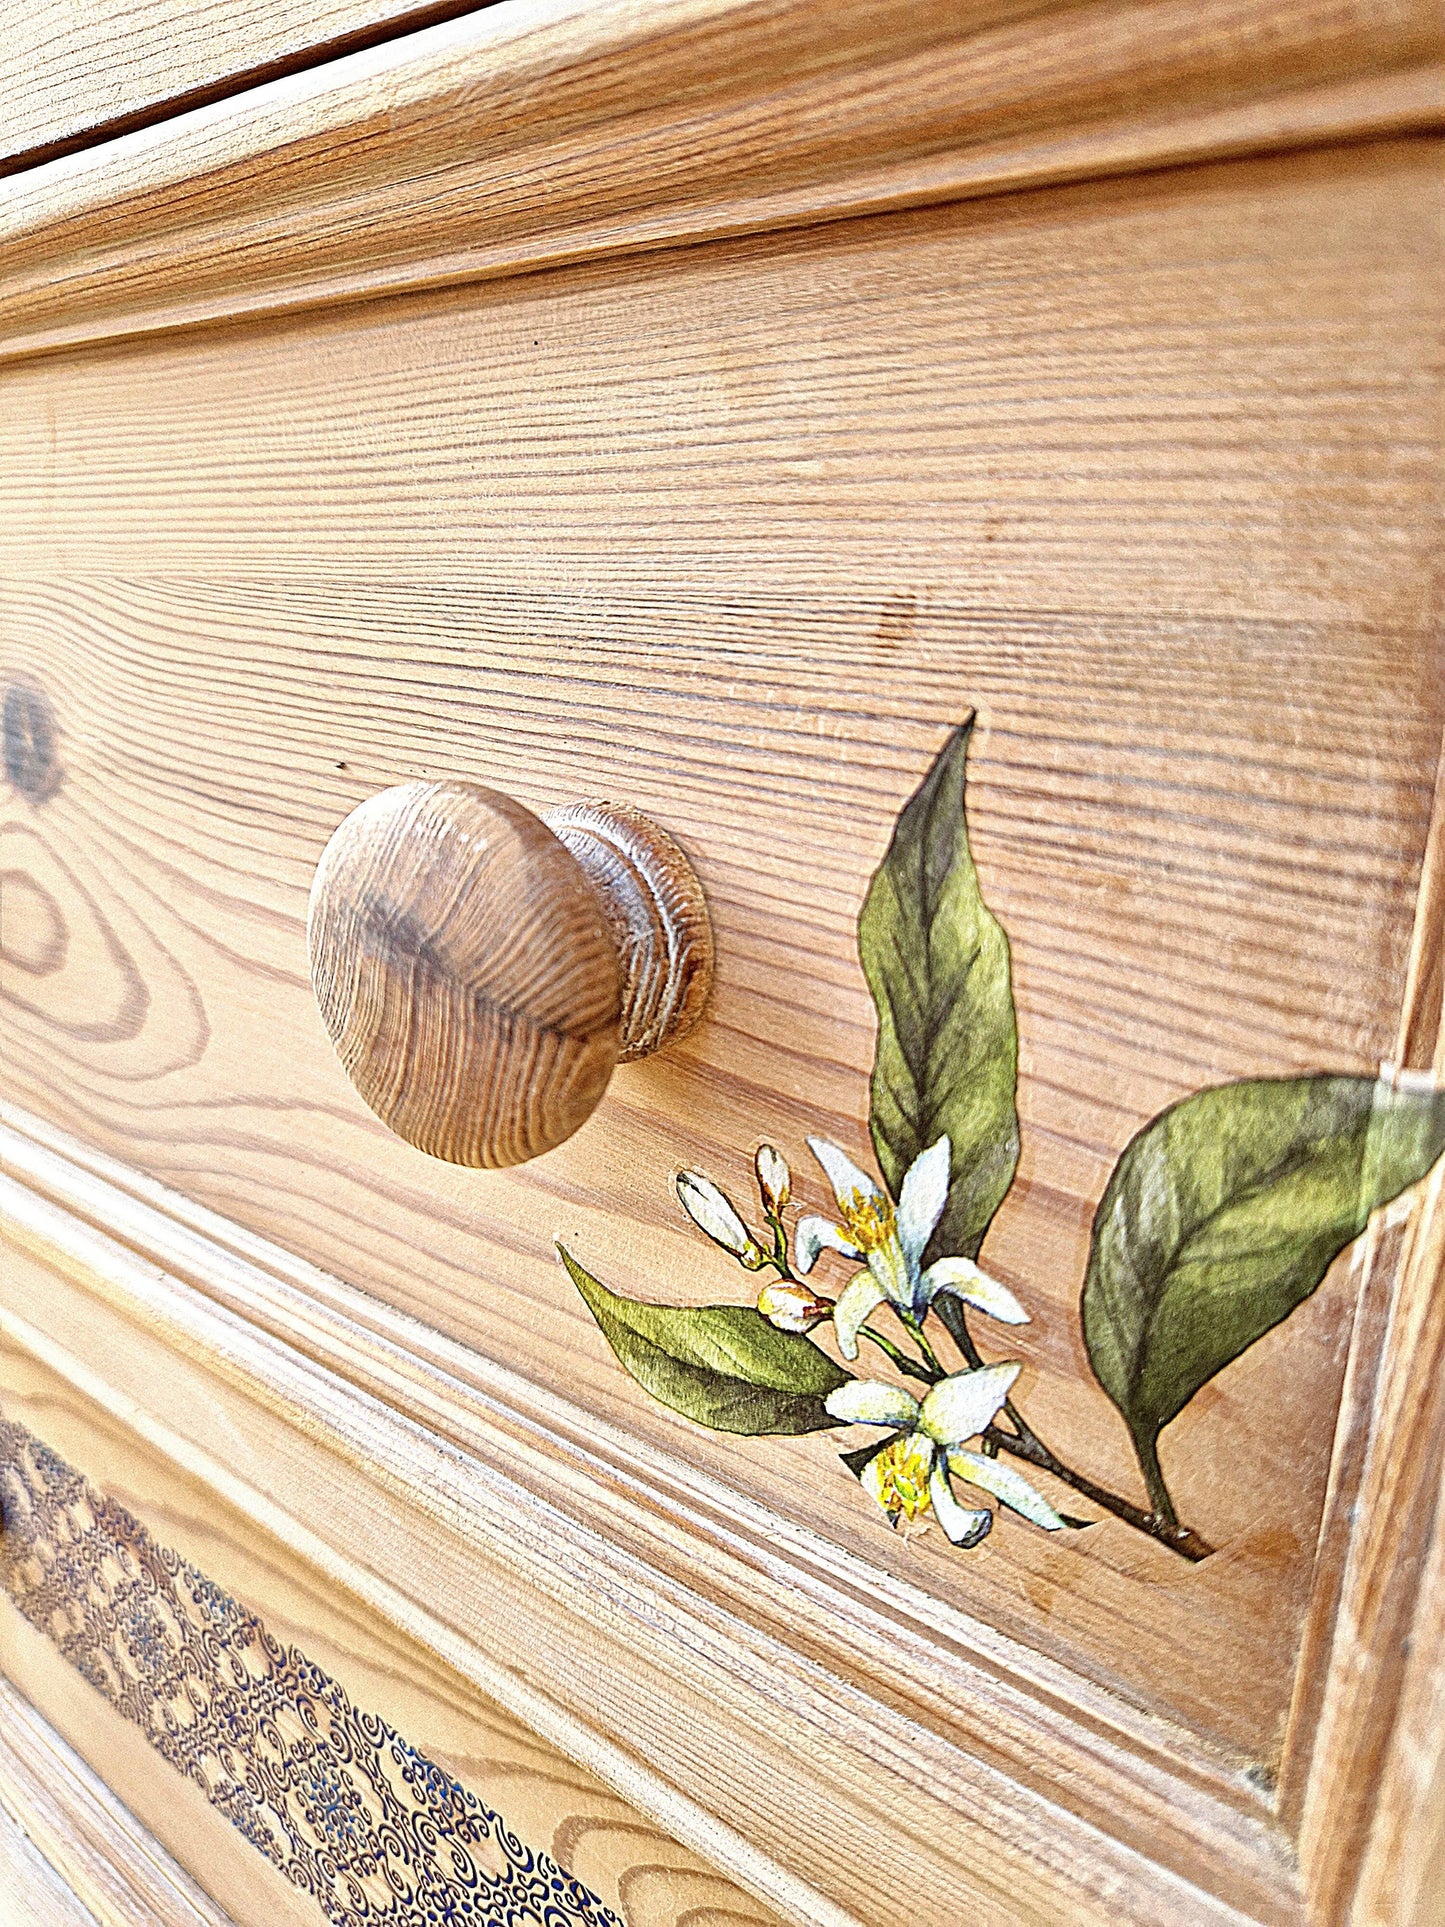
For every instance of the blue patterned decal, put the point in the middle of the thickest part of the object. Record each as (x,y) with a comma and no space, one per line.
(331,1795)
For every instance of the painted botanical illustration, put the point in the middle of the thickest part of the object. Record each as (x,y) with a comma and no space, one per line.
(1222,1216)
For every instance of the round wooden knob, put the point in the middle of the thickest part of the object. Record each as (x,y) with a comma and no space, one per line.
(482,971)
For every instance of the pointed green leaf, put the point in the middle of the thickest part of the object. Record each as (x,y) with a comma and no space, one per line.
(1223,1215)
(722,1365)
(937,963)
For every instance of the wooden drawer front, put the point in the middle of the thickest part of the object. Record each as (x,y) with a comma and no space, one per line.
(1139,470)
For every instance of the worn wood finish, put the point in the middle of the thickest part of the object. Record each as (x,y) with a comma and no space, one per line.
(274,1561)
(1211,704)
(70,77)
(536,133)
(689,1647)
(174,1810)
(1145,470)
(117,1871)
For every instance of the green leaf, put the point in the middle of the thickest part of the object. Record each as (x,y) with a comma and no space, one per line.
(937,963)
(858,1460)
(722,1365)
(1223,1215)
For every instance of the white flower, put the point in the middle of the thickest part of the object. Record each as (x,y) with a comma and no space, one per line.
(711,1212)
(793,1307)
(892,1242)
(775,1180)
(912,1472)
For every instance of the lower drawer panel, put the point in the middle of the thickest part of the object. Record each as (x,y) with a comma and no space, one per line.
(226,1729)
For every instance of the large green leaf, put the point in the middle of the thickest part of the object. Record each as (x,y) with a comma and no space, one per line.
(723,1365)
(1223,1215)
(937,963)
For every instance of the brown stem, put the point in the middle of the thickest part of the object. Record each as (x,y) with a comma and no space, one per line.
(1025,1443)
(1030,1447)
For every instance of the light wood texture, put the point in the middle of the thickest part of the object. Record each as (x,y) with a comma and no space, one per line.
(70,76)
(692,1650)
(1194,609)
(542,131)
(1146,470)
(1371,1795)
(545,1800)
(117,1871)
(30,1889)
(466,972)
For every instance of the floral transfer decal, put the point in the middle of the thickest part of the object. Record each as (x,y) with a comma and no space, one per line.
(1222,1216)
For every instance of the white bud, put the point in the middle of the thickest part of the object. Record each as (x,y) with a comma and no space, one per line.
(793,1308)
(711,1212)
(775,1180)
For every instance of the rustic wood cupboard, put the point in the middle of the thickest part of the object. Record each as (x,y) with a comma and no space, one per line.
(970,476)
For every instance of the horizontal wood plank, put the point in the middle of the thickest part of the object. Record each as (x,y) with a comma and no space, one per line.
(543,131)
(30,1888)
(70,77)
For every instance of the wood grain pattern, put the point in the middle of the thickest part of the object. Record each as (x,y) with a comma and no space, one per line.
(1372,1810)
(721,1646)
(30,1888)
(737,533)
(482,972)
(547,1800)
(658,917)
(537,133)
(119,1874)
(466,972)
(69,78)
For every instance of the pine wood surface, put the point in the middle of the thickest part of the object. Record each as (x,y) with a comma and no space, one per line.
(177,1814)
(118,1872)
(30,1888)
(465,969)
(552,130)
(686,1646)
(71,76)
(547,1800)
(1142,469)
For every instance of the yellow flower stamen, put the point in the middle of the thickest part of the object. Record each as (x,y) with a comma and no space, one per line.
(869,1222)
(897,1477)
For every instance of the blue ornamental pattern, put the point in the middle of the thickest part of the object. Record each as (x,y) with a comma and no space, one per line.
(330,1794)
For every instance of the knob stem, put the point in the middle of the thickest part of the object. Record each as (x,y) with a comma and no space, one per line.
(656,912)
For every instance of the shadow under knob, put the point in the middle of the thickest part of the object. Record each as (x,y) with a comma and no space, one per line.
(481,972)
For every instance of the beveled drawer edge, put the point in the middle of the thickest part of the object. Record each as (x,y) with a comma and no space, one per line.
(117,1871)
(477,1458)
(530,135)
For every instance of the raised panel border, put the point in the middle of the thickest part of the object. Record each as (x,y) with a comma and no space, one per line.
(539,132)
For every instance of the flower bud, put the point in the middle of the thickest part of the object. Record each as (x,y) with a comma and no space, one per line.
(711,1212)
(792,1307)
(775,1180)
